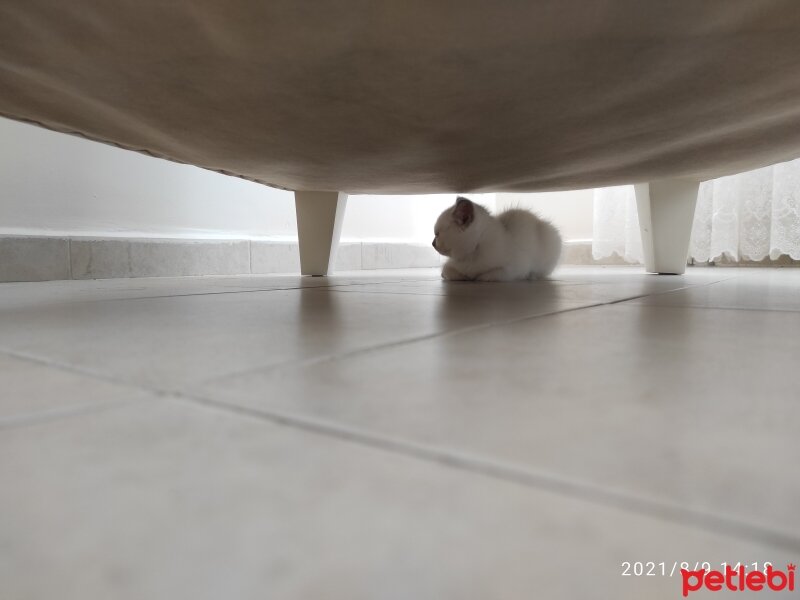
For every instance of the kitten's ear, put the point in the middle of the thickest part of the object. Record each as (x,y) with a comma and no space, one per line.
(464,212)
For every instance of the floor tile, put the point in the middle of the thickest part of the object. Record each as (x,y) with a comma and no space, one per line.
(173,341)
(30,391)
(632,273)
(755,288)
(13,295)
(691,407)
(165,500)
(568,290)
(633,277)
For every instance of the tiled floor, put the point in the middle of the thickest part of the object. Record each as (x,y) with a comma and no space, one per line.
(388,435)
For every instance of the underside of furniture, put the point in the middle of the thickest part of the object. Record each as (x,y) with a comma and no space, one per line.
(416,96)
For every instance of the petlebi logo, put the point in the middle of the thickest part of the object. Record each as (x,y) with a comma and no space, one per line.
(738,579)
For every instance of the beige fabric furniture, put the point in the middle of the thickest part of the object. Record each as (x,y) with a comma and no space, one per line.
(405,96)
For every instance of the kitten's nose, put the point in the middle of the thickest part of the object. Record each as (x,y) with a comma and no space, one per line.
(433,243)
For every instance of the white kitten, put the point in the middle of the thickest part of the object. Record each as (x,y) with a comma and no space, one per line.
(516,244)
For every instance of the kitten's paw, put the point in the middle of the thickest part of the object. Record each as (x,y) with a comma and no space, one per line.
(494,275)
(455,277)
(451,274)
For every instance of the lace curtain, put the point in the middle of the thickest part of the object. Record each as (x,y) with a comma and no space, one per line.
(751,216)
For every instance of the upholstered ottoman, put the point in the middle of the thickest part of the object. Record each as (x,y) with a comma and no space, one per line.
(334,97)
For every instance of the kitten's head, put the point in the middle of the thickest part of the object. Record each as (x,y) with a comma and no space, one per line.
(455,232)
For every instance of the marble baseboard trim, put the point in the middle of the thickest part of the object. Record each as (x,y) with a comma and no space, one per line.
(580,253)
(25,258)
(44,258)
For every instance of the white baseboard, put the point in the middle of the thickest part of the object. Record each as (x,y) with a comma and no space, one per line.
(43,258)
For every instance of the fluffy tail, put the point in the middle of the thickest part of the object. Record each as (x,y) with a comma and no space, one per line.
(552,246)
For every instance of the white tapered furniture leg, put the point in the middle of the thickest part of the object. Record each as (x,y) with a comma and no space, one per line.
(319,224)
(666,213)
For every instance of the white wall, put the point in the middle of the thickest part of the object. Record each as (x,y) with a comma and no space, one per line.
(55,182)
(52,183)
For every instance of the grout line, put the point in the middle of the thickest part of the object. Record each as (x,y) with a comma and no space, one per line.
(672,291)
(214,293)
(696,306)
(250,257)
(252,290)
(46,416)
(734,308)
(48,362)
(69,257)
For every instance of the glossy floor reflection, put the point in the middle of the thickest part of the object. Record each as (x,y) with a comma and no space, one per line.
(390,435)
